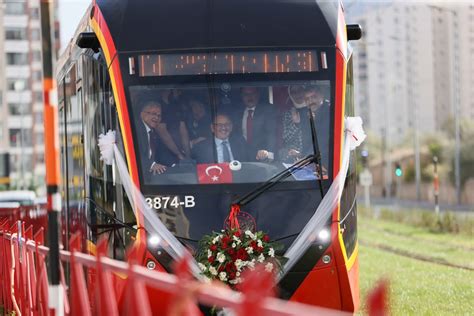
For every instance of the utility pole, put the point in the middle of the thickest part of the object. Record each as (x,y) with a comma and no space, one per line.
(53,177)
(436,184)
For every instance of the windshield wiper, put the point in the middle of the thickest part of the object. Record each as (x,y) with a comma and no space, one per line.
(314,158)
(252,195)
(316,151)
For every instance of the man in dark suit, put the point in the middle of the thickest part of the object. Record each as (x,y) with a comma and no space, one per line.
(222,147)
(154,155)
(257,123)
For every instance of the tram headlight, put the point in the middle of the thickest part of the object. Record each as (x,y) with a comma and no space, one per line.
(324,235)
(154,240)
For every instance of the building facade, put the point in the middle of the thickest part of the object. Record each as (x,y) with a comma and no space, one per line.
(413,65)
(22,117)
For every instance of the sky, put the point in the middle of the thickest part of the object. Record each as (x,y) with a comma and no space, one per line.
(70,13)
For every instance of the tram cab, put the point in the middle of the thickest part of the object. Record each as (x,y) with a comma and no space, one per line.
(176,80)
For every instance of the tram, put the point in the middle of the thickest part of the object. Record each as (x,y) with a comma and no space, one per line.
(189,72)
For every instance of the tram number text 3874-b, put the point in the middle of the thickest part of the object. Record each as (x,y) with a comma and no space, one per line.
(165,202)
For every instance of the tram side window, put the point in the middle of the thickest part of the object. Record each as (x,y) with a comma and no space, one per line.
(110,213)
(348,211)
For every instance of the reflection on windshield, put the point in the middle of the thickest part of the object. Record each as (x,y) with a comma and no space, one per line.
(228,133)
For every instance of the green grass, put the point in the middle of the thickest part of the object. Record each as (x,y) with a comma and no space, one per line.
(417,287)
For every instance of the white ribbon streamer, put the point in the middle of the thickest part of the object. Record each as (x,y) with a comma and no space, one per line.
(354,136)
(154,226)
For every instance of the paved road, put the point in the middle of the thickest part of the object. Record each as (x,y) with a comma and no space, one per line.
(407,204)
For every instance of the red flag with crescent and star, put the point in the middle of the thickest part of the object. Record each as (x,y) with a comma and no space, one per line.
(214,173)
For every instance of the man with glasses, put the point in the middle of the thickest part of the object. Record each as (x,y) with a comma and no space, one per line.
(223,147)
(154,155)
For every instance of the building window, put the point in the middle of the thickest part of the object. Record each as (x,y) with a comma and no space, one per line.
(15,33)
(37,76)
(21,84)
(17,108)
(15,8)
(38,118)
(17,59)
(20,137)
(35,13)
(38,96)
(35,34)
(36,55)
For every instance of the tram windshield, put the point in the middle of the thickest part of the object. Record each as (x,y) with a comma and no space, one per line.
(226,129)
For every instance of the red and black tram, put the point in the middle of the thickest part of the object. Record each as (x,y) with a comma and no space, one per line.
(191,71)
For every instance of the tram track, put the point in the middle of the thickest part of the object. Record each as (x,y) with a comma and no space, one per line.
(420,239)
(413,255)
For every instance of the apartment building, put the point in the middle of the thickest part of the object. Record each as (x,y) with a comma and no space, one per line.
(22,118)
(413,65)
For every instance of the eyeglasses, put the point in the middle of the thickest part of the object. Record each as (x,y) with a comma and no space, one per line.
(153,114)
(223,125)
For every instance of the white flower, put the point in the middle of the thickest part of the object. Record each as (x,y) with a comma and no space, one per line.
(202,267)
(271,252)
(209,253)
(259,243)
(236,239)
(261,258)
(220,257)
(239,264)
(216,239)
(213,270)
(234,245)
(236,281)
(269,267)
(223,276)
(237,274)
(250,234)
(249,250)
(251,264)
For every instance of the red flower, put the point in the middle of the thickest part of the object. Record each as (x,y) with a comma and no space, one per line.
(221,268)
(210,259)
(237,234)
(231,251)
(242,254)
(224,245)
(231,275)
(213,248)
(226,239)
(259,249)
(229,267)
(253,244)
(266,238)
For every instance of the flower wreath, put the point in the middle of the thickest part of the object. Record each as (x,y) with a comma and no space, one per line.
(225,255)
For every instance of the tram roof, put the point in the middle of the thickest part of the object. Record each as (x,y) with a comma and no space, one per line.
(146,25)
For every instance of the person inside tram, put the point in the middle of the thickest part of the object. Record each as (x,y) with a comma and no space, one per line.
(198,121)
(224,146)
(155,157)
(172,129)
(321,111)
(295,126)
(256,121)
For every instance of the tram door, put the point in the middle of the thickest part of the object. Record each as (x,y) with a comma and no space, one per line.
(108,211)
(72,152)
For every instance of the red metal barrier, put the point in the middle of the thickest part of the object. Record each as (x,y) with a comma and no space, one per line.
(24,284)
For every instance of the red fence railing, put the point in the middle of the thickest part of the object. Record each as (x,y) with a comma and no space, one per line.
(24,284)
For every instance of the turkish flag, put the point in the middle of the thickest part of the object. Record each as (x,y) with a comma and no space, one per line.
(214,173)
